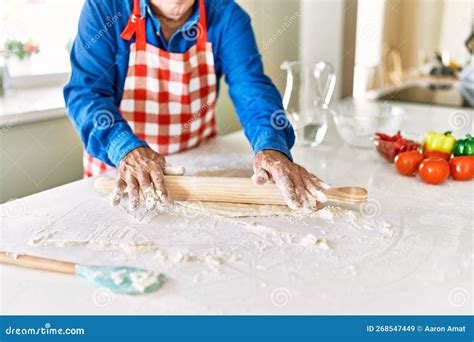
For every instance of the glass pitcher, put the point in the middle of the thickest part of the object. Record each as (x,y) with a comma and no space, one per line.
(309,89)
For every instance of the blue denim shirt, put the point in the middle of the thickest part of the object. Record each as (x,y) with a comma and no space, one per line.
(99,60)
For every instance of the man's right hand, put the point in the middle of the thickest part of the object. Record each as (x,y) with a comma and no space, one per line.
(141,171)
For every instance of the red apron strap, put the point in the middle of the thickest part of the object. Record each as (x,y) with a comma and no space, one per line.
(202,25)
(135,25)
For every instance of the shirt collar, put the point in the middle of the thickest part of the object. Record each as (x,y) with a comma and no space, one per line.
(146,10)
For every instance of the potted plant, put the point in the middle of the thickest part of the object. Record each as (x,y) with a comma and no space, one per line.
(18,55)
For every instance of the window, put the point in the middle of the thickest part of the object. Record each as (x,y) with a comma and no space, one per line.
(49,24)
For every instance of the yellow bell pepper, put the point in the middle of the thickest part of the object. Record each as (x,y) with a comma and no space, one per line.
(442,142)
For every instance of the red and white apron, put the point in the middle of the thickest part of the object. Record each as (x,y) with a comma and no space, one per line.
(169,99)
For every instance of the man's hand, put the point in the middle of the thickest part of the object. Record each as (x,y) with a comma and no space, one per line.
(294,181)
(141,171)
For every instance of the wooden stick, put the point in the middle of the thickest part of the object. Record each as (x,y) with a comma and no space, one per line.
(235,190)
(37,263)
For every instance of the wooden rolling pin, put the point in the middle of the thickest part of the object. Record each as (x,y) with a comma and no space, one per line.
(235,190)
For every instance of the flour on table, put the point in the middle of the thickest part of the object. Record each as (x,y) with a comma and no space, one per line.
(311,240)
(183,256)
(42,235)
(278,237)
(211,256)
(103,237)
(182,240)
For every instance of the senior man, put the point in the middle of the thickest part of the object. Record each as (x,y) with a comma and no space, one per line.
(144,84)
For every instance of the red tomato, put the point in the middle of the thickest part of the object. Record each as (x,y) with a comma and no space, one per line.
(434,170)
(462,168)
(407,162)
(437,154)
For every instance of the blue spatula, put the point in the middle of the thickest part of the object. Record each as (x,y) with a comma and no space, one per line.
(119,279)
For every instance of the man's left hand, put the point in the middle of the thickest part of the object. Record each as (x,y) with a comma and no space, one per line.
(294,181)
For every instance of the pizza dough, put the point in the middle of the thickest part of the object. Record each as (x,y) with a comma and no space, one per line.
(235,209)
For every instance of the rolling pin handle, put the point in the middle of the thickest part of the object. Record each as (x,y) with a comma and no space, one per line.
(174,170)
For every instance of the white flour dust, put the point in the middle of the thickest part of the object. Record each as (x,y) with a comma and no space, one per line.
(311,240)
(103,237)
(118,277)
(200,234)
(140,280)
(211,257)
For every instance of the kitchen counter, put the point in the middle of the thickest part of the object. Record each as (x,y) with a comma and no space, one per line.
(442,91)
(407,251)
(31,105)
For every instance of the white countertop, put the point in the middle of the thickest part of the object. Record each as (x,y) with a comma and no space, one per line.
(422,264)
(31,105)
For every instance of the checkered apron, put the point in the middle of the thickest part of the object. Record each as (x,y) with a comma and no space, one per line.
(169,99)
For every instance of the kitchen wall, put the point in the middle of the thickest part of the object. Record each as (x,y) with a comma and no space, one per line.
(321,34)
(413,26)
(458,21)
(369,42)
(276,24)
(38,156)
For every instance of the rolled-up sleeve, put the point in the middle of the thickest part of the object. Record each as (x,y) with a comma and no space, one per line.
(91,94)
(256,99)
